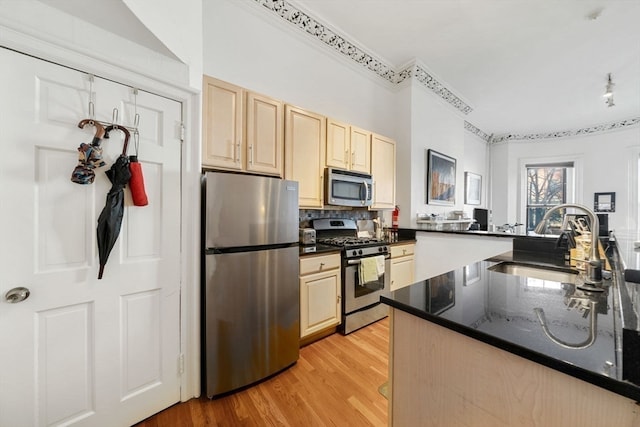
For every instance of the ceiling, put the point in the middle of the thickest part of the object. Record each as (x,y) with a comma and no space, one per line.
(524,66)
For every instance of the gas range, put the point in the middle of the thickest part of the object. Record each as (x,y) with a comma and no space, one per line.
(344,233)
(361,293)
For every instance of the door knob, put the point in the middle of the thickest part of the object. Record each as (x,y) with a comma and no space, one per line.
(17,295)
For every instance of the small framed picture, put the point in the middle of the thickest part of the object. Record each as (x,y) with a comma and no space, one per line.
(472,188)
(604,202)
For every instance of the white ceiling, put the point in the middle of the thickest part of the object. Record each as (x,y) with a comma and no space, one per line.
(524,66)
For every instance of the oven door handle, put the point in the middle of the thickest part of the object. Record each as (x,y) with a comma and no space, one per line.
(357,261)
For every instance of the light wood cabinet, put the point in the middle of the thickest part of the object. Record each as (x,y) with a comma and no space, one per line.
(264,135)
(383,170)
(348,147)
(222,124)
(360,150)
(402,265)
(305,142)
(242,130)
(320,293)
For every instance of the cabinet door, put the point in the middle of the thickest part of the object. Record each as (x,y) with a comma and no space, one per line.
(264,132)
(360,150)
(319,302)
(304,145)
(338,143)
(402,272)
(383,169)
(222,115)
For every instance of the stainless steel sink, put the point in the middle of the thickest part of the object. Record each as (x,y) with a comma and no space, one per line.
(542,272)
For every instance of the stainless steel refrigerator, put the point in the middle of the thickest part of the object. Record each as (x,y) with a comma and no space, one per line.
(250,287)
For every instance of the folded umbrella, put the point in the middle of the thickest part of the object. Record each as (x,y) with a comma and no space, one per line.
(89,156)
(110,219)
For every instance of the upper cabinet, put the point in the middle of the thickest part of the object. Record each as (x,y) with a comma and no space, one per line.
(222,120)
(383,169)
(247,132)
(265,140)
(242,130)
(348,147)
(305,140)
(360,150)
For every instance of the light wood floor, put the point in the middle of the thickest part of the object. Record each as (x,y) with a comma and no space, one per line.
(334,383)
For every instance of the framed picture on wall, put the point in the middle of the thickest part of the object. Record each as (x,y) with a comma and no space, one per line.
(472,188)
(441,179)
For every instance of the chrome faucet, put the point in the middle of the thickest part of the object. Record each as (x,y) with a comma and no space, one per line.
(594,266)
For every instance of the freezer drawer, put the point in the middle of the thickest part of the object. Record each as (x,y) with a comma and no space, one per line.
(251,312)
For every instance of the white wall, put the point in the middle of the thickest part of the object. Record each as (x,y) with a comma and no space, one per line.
(436,125)
(245,45)
(476,158)
(605,162)
(179,26)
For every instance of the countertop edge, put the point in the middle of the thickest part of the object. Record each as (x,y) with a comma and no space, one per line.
(627,390)
(464,232)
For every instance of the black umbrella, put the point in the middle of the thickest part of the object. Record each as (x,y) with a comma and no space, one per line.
(110,219)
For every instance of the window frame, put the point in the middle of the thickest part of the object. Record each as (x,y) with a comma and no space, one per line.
(573,180)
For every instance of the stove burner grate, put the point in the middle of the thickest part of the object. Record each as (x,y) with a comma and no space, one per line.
(350,241)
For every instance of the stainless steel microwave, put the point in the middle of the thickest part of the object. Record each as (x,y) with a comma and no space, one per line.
(347,188)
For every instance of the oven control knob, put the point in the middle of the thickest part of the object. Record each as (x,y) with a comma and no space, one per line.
(360,252)
(385,249)
(380,249)
(355,253)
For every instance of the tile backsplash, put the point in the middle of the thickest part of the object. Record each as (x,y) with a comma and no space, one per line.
(306,215)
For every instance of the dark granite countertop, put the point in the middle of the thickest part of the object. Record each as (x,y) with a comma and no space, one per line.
(318,249)
(461,232)
(499,309)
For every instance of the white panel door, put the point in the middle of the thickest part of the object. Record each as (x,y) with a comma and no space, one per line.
(82,351)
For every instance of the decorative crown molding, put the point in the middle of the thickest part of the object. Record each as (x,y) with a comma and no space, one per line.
(563,134)
(474,130)
(351,51)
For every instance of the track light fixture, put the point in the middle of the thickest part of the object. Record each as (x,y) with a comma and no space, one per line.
(608,93)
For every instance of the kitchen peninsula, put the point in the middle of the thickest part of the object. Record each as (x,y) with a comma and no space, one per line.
(468,348)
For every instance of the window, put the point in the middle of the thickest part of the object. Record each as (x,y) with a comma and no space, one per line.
(547,186)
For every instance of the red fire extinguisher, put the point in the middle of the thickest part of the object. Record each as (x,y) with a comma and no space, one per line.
(394,217)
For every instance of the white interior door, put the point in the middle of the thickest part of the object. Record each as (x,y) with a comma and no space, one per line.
(79,350)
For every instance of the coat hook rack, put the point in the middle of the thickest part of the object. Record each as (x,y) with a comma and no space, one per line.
(115,113)
(92,112)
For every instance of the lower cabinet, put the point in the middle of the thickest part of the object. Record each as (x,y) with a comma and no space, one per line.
(402,265)
(320,293)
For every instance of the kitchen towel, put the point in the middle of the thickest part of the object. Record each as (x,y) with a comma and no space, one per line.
(370,269)
(380,264)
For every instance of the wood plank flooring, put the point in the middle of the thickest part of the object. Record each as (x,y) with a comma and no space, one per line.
(334,383)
